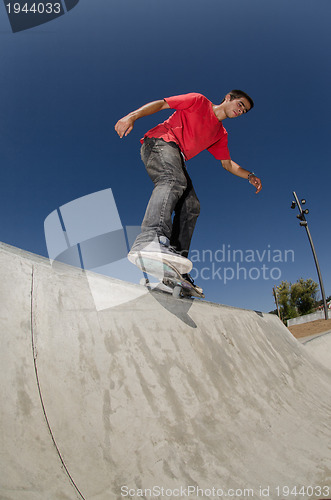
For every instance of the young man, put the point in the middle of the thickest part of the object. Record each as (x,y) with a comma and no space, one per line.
(195,125)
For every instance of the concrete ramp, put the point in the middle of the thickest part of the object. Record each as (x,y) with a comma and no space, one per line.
(152,397)
(319,346)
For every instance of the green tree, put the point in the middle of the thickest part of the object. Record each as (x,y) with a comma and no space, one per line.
(283,294)
(303,296)
(296,299)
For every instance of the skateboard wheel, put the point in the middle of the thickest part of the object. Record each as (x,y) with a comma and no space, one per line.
(177,292)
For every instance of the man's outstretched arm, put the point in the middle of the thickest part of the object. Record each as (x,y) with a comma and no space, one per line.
(124,126)
(234,168)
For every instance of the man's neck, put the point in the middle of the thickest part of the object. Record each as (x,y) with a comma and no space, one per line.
(219,111)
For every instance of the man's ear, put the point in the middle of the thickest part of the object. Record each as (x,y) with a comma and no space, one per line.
(228,97)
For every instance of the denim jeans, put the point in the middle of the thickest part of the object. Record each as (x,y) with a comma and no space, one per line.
(173,194)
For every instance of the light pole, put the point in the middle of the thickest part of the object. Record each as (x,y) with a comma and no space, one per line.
(304,223)
(276,301)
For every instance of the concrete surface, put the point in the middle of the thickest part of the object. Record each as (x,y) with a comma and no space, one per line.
(307,318)
(319,346)
(153,392)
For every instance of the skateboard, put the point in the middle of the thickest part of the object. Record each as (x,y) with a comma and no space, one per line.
(167,274)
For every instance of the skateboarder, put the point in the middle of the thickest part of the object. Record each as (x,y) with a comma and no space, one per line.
(195,125)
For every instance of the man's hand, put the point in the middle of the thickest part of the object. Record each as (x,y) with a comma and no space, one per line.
(235,169)
(256,182)
(124,126)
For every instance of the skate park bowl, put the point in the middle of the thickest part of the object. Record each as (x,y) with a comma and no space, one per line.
(152,396)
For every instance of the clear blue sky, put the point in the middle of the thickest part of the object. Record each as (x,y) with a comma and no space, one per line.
(65,83)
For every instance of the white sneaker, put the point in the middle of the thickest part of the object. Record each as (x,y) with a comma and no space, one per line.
(161,250)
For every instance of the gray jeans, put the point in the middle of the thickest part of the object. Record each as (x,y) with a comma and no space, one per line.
(173,194)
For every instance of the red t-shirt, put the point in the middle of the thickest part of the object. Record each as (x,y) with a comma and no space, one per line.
(193,126)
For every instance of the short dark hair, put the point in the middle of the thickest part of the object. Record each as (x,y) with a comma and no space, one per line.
(237,94)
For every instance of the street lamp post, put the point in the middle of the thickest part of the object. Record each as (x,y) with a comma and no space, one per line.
(276,301)
(304,223)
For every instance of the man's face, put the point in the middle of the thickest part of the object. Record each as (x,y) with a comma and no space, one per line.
(236,107)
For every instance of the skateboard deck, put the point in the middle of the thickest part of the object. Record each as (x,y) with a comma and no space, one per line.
(168,275)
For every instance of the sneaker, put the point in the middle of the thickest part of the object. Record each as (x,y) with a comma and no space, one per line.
(189,278)
(161,249)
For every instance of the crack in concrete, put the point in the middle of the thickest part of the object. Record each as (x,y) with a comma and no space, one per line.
(35,355)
